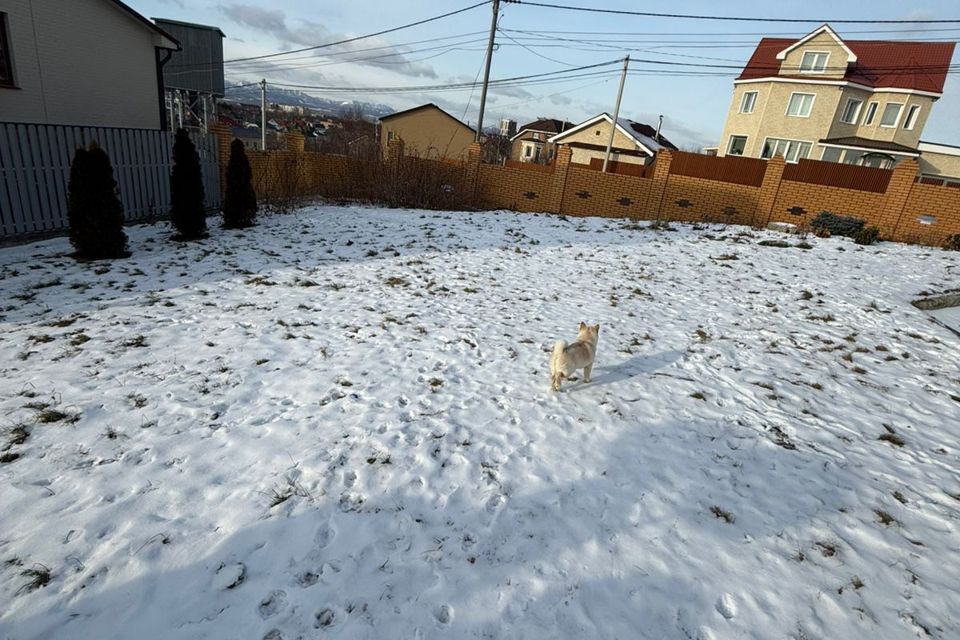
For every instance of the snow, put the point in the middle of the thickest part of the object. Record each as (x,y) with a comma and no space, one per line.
(949,316)
(339,424)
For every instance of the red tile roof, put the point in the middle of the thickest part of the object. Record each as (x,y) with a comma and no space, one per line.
(921,66)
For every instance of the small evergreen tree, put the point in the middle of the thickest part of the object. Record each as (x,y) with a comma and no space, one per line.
(186,189)
(94,210)
(240,200)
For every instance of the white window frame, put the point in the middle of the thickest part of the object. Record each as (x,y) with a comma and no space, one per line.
(913,114)
(896,121)
(826,61)
(730,144)
(856,114)
(743,101)
(527,150)
(870,116)
(813,99)
(789,142)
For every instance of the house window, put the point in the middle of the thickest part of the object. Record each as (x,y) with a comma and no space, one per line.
(6,67)
(891,114)
(800,105)
(389,136)
(791,150)
(814,62)
(871,113)
(527,151)
(536,136)
(748,102)
(737,146)
(912,113)
(852,111)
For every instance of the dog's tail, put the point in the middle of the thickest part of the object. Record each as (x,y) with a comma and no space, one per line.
(558,348)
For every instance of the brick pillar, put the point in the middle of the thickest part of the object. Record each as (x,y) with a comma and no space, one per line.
(295,141)
(769,189)
(224,139)
(473,170)
(661,176)
(561,167)
(896,196)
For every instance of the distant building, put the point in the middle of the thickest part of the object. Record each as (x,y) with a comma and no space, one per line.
(193,77)
(531,144)
(427,131)
(508,127)
(633,142)
(82,62)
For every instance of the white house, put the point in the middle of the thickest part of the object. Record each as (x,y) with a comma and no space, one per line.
(633,142)
(81,62)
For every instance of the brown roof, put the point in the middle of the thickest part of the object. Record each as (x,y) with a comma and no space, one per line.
(921,66)
(429,105)
(547,125)
(867,143)
(650,132)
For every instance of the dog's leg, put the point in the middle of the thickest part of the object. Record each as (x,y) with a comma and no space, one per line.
(556,381)
(587,370)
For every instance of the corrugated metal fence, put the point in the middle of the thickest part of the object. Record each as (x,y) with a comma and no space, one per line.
(35,171)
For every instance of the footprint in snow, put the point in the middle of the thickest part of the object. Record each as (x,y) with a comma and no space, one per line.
(272,604)
(324,536)
(444,614)
(727,606)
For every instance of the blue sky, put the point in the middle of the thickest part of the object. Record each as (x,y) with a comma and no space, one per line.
(694,106)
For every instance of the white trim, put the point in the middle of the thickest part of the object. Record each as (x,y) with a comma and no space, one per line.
(867,114)
(856,115)
(851,56)
(841,83)
(826,62)
(730,138)
(522,131)
(743,99)
(868,150)
(588,123)
(800,93)
(896,123)
(933,147)
(766,138)
(914,111)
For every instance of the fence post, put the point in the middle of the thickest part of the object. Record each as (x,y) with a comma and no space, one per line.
(660,178)
(224,138)
(769,188)
(295,141)
(561,167)
(896,196)
(473,170)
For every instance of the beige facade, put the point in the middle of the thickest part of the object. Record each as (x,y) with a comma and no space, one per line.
(427,132)
(808,100)
(81,62)
(940,161)
(591,142)
(532,146)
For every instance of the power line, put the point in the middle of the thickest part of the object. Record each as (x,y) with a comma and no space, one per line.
(687,16)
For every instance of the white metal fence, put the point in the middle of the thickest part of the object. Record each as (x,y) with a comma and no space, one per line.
(35,170)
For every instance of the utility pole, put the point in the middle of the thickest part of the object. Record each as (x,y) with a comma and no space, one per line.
(486,71)
(616,114)
(263,114)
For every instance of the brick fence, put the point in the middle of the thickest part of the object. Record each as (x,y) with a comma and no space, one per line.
(752,192)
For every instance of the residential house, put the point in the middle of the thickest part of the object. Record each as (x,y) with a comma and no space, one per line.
(940,161)
(82,62)
(859,102)
(530,143)
(633,142)
(427,131)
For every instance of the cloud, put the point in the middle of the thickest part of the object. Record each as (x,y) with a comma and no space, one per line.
(304,33)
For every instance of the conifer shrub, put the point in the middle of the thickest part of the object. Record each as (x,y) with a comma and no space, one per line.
(952,243)
(186,190)
(94,210)
(867,235)
(838,225)
(240,199)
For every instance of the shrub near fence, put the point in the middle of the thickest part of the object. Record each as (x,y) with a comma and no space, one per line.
(904,210)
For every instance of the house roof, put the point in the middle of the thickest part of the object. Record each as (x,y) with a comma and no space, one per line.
(643,135)
(429,105)
(867,144)
(920,66)
(192,25)
(544,125)
(167,40)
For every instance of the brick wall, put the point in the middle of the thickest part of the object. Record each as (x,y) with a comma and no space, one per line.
(907,211)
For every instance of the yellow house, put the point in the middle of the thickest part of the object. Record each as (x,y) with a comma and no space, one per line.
(427,131)
(821,97)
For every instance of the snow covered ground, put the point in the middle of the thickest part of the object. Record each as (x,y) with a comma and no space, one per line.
(339,424)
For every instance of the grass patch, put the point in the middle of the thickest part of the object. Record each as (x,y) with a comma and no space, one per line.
(884,518)
(50,416)
(827,549)
(722,514)
(891,436)
(698,395)
(395,281)
(39,577)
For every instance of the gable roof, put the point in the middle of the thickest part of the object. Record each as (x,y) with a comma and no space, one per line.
(851,56)
(642,135)
(544,125)
(918,66)
(429,105)
(167,41)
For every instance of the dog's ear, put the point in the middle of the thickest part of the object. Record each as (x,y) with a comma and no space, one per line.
(583,325)
(596,329)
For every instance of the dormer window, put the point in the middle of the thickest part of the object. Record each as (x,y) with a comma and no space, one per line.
(814,62)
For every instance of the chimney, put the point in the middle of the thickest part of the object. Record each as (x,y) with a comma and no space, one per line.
(659,124)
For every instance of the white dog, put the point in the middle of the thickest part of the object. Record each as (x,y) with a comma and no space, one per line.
(579,355)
